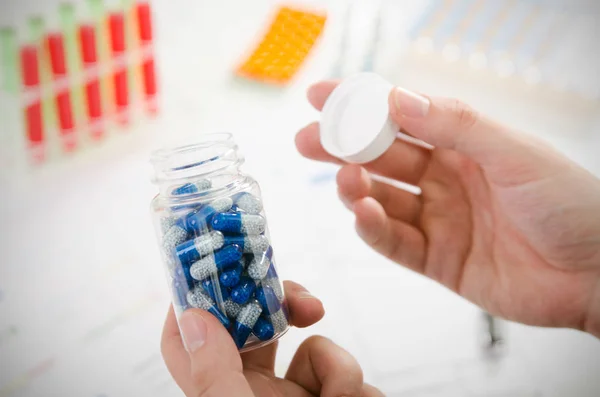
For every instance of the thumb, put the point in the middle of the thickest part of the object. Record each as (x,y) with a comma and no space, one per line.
(216,366)
(509,158)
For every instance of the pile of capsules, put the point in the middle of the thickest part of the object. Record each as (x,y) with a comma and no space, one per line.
(221,261)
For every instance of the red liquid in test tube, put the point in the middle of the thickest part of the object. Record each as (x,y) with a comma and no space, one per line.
(144,17)
(62,90)
(117,39)
(87,40)
(34,126)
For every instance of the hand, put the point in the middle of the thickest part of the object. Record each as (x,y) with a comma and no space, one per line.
(213,367)
(502,219)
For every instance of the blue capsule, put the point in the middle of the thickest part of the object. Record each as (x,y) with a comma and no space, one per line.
(211,290)
(242,292)
(192,250)
(268,299)
(194,187)
(249,244)
(244,323)
(222,259)
(196,222)
(239,223)
(231,277)
(263,329)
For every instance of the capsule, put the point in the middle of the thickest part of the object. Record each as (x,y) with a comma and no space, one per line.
(197,298)
(231,277)
(211,289)
(249,244)
(232,309)
(192,187)
(279,321)
(239,223)
(242,292)
(196,222)
(247,203)
(220,260)
(173,237)
(192,250)
(268,299)
(258,268)
(244,323)
(263,329)
(275,286)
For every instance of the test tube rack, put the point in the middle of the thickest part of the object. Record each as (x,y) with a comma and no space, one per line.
(541,44)
(73,78)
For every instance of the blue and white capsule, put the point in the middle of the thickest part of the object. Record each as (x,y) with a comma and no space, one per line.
(173,237)
(247,202)
(196,222)
(232,309)
(250,244)
(231,277)
(192,187)
(244,323)
(258,268)
(242,292)
(192,250)
(263,329)
(268,299)
(197,298)
(211,289)
(275,285)
(220,260)
(239,223)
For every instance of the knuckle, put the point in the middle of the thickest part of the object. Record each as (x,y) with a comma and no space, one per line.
(465,114)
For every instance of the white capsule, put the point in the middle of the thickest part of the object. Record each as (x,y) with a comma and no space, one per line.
(222,205)
(209,243)
(248,203)
(203,268)
(232,309)
(172,238)
(249,314)
(279,321)
(197,298)
(253,224)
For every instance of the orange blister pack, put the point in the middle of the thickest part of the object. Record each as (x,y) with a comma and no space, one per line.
(284,47)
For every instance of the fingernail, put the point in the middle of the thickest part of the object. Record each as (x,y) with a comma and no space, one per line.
(193,328)
(410,104)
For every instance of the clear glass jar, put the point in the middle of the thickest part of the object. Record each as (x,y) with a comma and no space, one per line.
(215,242)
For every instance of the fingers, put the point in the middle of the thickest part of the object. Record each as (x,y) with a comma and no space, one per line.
(318,93)
(325,369)
(509,158)
(213,365)
(304,309)
(354,183)
(403,161)
(394,239)
(370,391)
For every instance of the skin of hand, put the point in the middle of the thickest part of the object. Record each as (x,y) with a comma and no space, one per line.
(502,219)
(213,367)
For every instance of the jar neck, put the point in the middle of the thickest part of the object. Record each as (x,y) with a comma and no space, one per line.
(213,157)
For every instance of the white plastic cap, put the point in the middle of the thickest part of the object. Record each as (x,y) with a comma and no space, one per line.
(355,122)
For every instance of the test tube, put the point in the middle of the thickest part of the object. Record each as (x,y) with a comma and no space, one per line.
(32,102)
(61,86)
(117,44)
(89,56)
(144,16)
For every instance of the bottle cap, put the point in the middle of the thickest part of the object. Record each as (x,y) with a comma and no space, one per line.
(355,122)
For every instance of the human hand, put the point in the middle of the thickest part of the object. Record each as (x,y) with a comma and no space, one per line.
(502,219)
(213,367)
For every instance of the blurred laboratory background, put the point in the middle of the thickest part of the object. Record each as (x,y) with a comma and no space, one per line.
(88,88)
